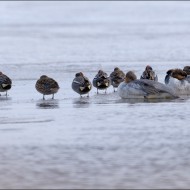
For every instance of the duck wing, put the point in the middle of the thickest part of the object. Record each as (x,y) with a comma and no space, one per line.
(5,79)
(86,80)
(146,86)
(151,87)
(117,75)
(79,80)
(121,75)
(144,75)
(52,83)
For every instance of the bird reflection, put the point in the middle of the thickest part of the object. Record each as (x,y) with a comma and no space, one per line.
(141,100)
(5,98)
(48,104)
(81,103)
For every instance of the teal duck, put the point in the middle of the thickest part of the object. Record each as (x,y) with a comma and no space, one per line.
(149,74)
(47,86)
(116,77)
(101,81)
(5,83)
(81,84)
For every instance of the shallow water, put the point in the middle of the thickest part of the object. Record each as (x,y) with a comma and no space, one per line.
(101,141)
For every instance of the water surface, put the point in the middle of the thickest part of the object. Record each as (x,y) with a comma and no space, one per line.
(101,141)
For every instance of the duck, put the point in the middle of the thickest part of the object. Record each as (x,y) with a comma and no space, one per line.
(81,84)
(5,83)
(46,86)
(187,69)
(101,81)
(133,88)
(116,77)
(178,80)
(149,74)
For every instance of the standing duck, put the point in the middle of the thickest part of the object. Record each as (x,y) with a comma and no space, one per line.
(101,81)
(81,84)
(5,83)
(117,76)
(149,74)
(178,81)
(47,86)
(143,88)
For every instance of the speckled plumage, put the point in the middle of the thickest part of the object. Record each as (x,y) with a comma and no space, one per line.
(101,81)
(81,84)
(47,86)
(149,74)
(5,83)
(116,77)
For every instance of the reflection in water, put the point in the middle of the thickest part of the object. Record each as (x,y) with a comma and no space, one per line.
(81,102)
(48,104)
(113,98)
(141,100)
(5,98)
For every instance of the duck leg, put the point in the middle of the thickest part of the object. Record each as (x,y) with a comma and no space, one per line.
(53,96)
(43,97)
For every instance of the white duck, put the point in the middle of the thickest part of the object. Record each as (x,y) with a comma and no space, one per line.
(178,81)
(143,88)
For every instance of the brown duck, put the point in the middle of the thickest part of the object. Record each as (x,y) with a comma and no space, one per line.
(47,86)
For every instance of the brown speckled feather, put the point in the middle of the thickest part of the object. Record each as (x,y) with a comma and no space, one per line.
(46,85)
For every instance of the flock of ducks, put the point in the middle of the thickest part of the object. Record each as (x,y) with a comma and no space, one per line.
(177,82)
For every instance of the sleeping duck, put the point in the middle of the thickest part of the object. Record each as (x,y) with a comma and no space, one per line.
(179,81)
(5,83)
(117,76)
(101,81)
(143,88)
(149,74)
(81,84)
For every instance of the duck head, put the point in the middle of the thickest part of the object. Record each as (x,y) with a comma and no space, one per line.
(169,72)
(79,74)
(102,74)
(148,68)
(179,74)
(130,76)
(187,69)
(116,69)
(43,77)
